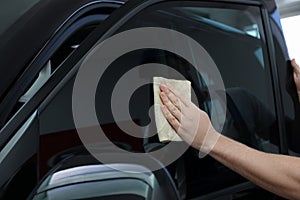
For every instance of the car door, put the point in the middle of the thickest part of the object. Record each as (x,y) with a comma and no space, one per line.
(242,50)
(215,180)
(238,37)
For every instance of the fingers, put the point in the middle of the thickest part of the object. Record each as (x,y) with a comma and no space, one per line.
(295,76)
(296,67)
(172,108)
(174,96)
(171,119)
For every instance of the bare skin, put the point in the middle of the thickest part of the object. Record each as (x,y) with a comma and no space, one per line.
(296,69)
(279,174)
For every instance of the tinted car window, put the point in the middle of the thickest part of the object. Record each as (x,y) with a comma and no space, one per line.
(233,36)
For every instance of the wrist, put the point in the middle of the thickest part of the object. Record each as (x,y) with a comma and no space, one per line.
(209,142)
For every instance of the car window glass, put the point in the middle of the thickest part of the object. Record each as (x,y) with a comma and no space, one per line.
(234,38)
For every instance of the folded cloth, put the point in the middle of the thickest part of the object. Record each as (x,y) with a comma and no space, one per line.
(165,131)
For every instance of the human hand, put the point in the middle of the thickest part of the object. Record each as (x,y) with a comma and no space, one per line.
(296,70)
(191,124)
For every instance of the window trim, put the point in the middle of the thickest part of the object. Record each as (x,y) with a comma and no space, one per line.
(283,146)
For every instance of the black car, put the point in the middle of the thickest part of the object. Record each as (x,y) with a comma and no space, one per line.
(43,44)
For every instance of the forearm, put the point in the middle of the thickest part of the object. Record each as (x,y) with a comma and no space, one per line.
(277,173)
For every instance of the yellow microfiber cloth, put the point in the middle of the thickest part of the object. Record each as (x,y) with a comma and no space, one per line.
(165,131)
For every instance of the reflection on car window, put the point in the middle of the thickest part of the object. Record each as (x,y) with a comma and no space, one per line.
(225,19)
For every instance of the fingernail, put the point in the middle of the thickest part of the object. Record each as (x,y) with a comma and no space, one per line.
(163,95)
(163,86)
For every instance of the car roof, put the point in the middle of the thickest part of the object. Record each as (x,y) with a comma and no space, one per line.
(25,38)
